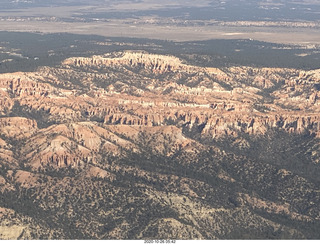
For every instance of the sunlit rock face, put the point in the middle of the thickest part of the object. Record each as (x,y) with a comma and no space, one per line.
(132,145)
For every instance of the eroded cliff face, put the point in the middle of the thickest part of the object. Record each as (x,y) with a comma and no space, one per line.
(141,60)
(64,110)
(124,92)
(242,99)
(184,149)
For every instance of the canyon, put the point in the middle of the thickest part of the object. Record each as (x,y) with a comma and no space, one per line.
(97,145)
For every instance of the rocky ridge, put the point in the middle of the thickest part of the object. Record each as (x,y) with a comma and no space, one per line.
(219,103)
(253,98)
(98,145)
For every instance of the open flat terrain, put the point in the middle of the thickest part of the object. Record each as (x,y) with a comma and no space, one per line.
(116,28)
(171,20)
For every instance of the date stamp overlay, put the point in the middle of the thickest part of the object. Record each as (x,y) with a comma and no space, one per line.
(160,241)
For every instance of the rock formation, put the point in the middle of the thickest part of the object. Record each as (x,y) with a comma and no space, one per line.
(132,145)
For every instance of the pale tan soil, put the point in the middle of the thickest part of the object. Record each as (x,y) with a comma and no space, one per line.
(116,28)
(47,20)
